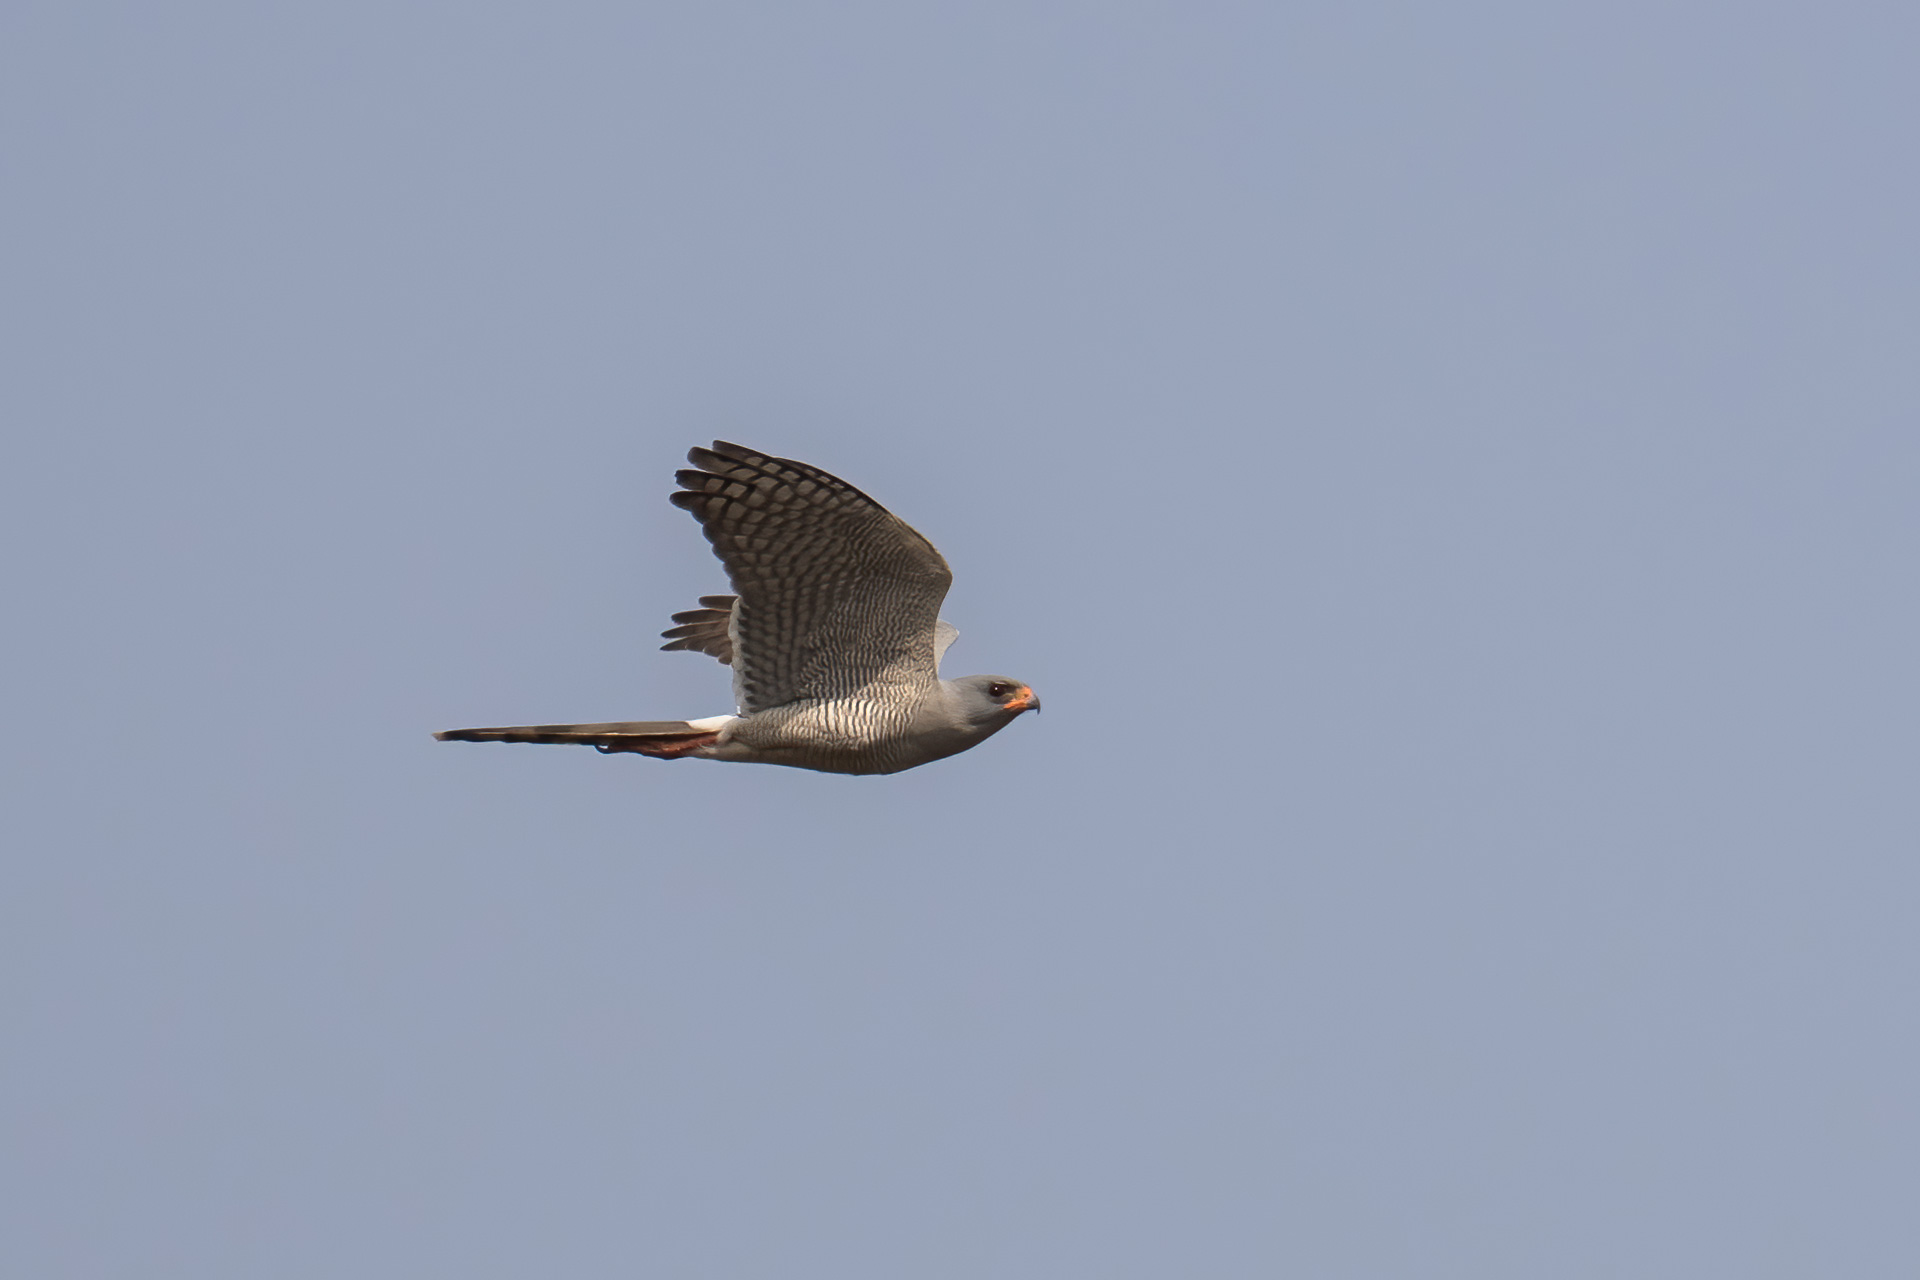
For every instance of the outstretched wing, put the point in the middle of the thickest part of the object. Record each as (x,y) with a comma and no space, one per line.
(708,630)
(835,592)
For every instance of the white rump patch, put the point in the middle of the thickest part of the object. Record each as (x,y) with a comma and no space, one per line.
(711,723)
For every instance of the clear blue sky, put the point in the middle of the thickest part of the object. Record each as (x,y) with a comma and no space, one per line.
(1449,470)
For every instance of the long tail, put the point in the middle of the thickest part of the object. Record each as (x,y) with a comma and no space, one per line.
(667,739)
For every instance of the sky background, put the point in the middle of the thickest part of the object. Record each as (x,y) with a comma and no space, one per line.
(1449,470)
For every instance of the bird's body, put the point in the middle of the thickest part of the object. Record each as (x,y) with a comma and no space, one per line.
(834,635)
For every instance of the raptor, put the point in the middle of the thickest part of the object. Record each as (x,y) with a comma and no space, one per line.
(833,633)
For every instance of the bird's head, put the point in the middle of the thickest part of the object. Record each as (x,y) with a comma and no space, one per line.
(994,700)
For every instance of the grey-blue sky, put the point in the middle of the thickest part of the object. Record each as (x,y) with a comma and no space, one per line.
(1449,472)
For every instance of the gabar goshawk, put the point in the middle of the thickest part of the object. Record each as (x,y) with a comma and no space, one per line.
(834,633)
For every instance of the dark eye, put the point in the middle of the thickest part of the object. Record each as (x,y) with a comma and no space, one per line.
(998,690)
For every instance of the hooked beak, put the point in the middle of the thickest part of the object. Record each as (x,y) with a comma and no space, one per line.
(1025,700)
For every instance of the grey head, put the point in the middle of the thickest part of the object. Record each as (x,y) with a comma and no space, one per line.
(990,702)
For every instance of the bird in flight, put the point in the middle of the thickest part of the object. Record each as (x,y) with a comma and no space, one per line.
(833,632)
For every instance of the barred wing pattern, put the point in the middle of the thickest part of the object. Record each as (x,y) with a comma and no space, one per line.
(704,630)
(836,593)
